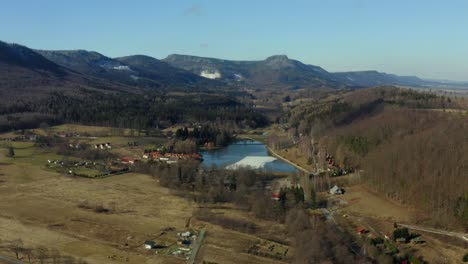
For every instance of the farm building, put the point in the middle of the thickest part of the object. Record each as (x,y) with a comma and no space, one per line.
(103,146)
(185,234)
(127,160)
(275,196)
(155,155)
(360,230)
(337,190)
(149,244)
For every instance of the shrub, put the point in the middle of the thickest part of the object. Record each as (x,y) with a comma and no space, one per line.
(401,232)
(376,241)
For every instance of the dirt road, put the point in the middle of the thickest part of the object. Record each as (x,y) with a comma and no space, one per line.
(462,236)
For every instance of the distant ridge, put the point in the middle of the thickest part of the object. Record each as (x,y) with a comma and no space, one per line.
(138,70)
(27,76)
(375,78)
(274,71)
(193,72)
(17,55)
(281,71)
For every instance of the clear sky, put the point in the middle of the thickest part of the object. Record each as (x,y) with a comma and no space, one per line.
(427,38)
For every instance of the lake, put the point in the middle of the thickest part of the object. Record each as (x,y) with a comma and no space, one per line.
(245,153)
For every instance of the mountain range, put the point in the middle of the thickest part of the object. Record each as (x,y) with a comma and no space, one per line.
(274,71)
(280,71)
(138,70)
(26,76)
(25,68)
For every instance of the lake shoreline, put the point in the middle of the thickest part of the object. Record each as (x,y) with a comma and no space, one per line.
(249,151)
(273,153)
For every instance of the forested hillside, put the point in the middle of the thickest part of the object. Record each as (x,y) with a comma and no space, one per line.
(139,71)
(129,110)
(411,147)
(84,87)
(276,71)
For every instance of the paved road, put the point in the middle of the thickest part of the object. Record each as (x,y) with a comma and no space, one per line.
(196,247)
(462,236)
(8,260)
(287,161)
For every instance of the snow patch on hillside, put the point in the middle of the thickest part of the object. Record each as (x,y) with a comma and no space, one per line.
(239,77)
(122,68)
(211,74)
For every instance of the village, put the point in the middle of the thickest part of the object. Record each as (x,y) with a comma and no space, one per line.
(343,205)
(94,153)
(120,159)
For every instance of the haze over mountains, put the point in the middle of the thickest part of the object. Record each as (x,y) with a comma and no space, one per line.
(82,68)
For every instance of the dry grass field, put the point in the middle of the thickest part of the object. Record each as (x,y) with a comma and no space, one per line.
(367,204)
(89,130)
(42,208)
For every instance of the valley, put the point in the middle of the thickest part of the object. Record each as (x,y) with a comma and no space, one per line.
(43,209)
(47,209)
(193,159)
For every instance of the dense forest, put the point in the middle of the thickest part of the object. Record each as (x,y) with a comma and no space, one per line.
(409,146)
(131,110)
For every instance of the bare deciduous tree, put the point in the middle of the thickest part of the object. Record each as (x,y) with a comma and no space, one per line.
(42,254)
(17,247)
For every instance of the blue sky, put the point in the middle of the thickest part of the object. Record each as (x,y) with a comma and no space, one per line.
(408,37)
